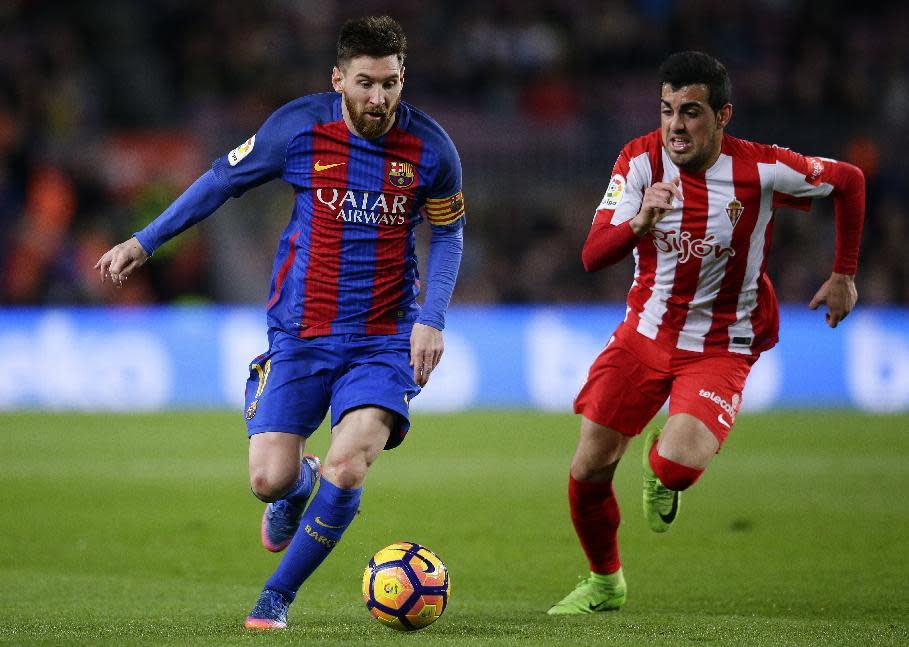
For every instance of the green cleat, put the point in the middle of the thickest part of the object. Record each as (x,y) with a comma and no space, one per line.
(593,593)
(661,505)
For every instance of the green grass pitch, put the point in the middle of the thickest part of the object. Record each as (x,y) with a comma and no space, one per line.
(140,529)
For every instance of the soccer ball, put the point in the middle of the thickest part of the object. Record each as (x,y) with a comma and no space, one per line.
(406,586)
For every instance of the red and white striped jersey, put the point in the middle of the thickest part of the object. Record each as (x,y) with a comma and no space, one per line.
(699,281)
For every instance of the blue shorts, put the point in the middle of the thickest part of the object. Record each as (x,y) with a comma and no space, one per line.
(292,386)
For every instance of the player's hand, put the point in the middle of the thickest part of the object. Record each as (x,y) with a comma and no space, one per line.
(426,347)
(120,261)
(840,295)
(656,204)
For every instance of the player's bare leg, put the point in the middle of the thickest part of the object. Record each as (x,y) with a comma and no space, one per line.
(357,440)
(687,441)
(284,477)
(595,514)
(274,463)
(598,452)
(673,460)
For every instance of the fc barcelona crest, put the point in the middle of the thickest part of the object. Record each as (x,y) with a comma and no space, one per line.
(401,174)
(734,210)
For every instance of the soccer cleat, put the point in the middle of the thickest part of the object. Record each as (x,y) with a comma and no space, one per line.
(270,611)
(592,594)
(661,505)
(282,518)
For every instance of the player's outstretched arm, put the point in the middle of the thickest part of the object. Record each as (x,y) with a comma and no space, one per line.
(839,294)
(196,203)
(121,260)
(426,347)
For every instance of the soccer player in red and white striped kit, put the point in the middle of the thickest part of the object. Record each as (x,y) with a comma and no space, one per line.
(695,206)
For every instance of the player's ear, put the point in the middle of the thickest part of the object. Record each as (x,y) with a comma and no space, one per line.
(402,74)
(337,78)
(724,116)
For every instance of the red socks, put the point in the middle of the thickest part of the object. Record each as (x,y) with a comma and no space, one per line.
(595,514)
(673,475)
(595,511)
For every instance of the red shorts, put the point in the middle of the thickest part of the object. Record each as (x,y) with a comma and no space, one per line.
(633,376)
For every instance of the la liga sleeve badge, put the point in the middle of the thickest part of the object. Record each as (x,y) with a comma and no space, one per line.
(241,151)
(614,192)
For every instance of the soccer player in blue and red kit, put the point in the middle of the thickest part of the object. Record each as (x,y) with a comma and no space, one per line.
(695,206)
(345,331)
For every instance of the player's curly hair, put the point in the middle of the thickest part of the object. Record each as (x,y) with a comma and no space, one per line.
(375,36)
(688,68)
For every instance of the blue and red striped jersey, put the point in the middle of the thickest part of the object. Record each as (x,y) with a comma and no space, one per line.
(346,262)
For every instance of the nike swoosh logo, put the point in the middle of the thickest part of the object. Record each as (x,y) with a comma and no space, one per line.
(319,166)
(670,516)
(723,421)
(597,607)
(327,525)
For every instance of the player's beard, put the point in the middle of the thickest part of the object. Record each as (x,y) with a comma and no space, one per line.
(692,163)
(370,128)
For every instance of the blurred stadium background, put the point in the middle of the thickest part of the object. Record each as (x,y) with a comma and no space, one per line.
(108,110)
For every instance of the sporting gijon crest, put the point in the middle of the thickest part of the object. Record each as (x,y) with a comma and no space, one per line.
(734,210)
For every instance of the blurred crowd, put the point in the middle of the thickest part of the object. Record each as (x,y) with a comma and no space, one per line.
(109,109)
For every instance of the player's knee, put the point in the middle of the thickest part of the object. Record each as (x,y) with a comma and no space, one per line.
(346,473)
(674,476)
(583,469)
(269,486)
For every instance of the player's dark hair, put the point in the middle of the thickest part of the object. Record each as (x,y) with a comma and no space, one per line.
(689,68)
(375,36)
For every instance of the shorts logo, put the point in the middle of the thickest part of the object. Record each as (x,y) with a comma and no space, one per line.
(613,193)
(731,409)
(262,375)
(734,210)
(401,174)
(241,151)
